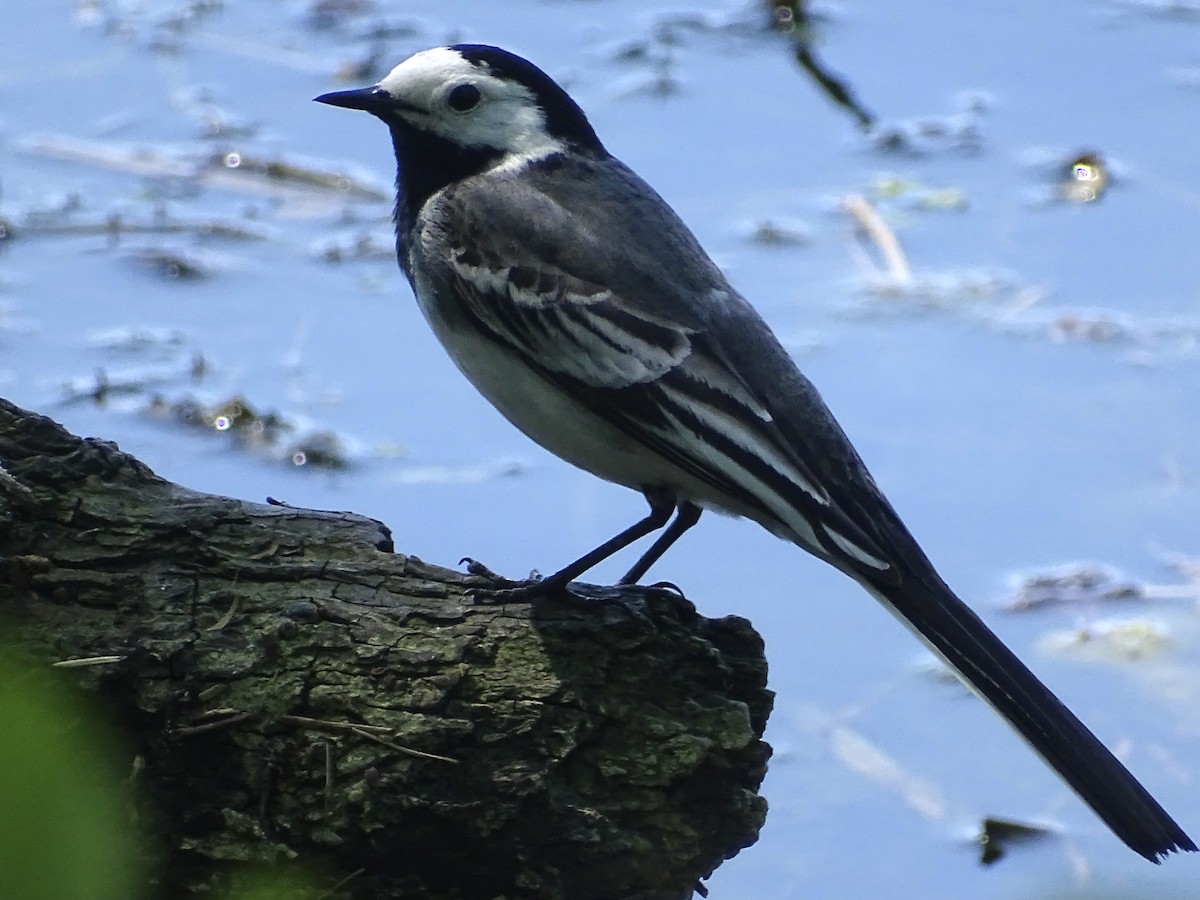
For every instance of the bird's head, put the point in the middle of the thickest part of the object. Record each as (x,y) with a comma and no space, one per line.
(479,98)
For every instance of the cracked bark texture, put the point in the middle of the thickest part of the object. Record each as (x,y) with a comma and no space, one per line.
(295,690)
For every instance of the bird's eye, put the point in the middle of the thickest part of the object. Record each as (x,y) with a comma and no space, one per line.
(464,97)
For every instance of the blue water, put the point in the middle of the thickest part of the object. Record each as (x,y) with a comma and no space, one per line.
(1006,447)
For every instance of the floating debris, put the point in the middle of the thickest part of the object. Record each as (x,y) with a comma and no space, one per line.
(229,169)
(917,197)
(796,20)
(68,216)
(774,233)
(118,225)
(466,474)
(861,756)
(103,385)
(270,434)
(132,160)
(359,246)
(175,265)
(320,449)
(308,175)
(871,225)
(1143,339)
(998,836)
(951,133)
(1079,176)
(327,14)
(1089,584)
(1084,179)
(1123,640)
(137,340)
(976,292)
(1073,585)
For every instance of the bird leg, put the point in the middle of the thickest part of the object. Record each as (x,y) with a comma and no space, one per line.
(689,515)
(662,505)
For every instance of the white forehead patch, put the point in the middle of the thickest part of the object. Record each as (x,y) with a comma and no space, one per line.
(507,116)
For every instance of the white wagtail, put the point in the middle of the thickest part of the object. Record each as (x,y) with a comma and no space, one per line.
(580,305)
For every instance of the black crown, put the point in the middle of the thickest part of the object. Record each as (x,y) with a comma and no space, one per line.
(564,119)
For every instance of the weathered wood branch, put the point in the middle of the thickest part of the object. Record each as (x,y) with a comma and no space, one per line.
(297,690)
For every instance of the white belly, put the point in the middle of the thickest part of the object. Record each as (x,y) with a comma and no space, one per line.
(544,413)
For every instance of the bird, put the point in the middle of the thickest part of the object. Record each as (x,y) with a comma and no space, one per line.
(579,304)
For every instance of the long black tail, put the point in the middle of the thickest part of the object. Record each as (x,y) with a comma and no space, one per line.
(962,640)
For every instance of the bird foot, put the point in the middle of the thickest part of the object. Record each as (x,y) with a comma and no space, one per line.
(516,592)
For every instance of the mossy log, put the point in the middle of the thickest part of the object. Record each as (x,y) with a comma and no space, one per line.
(293,689)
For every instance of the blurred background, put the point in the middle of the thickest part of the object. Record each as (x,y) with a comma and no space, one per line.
(197,263)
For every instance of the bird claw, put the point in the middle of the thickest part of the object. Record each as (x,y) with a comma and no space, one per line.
(518,592)
(496,596)
(670,586)
(511,591)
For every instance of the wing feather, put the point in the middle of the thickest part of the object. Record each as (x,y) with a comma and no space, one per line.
(623,334)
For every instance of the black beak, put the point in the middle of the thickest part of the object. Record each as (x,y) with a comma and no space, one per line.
(372,99)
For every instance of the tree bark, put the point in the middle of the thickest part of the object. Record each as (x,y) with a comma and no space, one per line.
(296,690)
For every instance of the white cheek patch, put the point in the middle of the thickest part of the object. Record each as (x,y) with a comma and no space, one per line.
(507,117)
